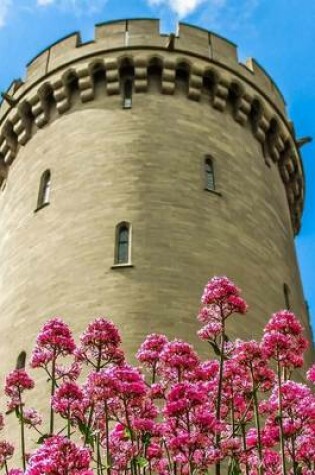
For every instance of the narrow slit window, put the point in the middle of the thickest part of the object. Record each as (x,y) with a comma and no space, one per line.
(286,292)
(122,255)
(127,100)
(44,189)
(209,174)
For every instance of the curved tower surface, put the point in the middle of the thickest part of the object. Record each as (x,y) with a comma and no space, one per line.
(133,168)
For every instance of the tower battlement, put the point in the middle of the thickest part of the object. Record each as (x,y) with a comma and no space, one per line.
(132,168)
(211,63)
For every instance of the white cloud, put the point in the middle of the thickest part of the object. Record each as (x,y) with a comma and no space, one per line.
(4,9)
(182,8)
(210,12)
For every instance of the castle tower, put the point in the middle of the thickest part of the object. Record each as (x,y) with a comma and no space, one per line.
(135,167)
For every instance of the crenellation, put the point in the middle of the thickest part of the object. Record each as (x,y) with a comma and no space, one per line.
(223,51)
(107,29)
(192,39)
(263,80)
(62,52)
(198,53)
(37,67)
(144,32)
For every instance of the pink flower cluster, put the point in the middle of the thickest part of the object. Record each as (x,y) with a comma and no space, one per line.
(283,339)
(16,383)
(177,415)
(58,455)
(220,299)
(100,344)
(54,339)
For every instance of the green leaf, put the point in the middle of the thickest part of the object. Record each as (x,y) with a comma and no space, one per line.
(141,461)
(87,432)
(128,433)
(146,438)
(42,439)
(234,468)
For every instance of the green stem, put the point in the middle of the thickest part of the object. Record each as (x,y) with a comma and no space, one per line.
(257,421)
(244,445)
(99,456)
(22,434)
(280,417)
(107,440)
(89,424)
(52,392)
(133,462)
(295,464)
(68,427)
(232,408)
(218,405)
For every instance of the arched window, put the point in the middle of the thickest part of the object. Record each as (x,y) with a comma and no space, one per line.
(127,98)
(44,189)
(123,239)
(209,174)
(286,292)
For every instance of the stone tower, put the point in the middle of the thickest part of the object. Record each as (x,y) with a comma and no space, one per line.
(133,168)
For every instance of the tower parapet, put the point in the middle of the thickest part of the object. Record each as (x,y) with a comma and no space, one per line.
(134,167)
(211,62)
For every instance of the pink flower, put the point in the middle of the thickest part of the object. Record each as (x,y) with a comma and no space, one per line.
(101,385)
(311,374)
(6,452)
(100,344)
(31,417)
(210,331)
(283,340)
(129,382)
(217,289)
(122,449)
(54,339)
(220,299)
(59,455)
(16,383)
(179,356)
(68,373)
(183,397)
(15,471)
(69,402)
(150,350)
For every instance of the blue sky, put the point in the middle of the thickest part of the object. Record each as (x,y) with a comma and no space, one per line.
(279,34)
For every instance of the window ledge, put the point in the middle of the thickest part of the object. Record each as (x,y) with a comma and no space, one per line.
(213,191)
(117,266)
(41,207)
